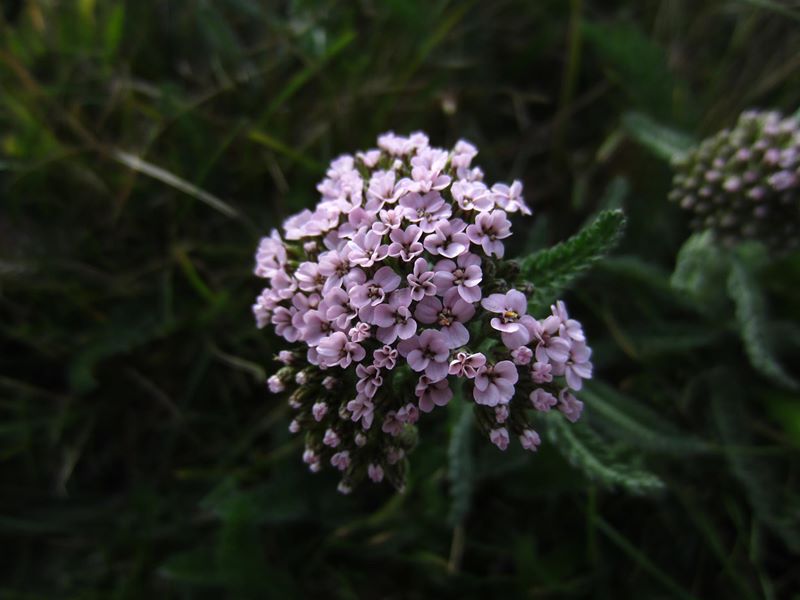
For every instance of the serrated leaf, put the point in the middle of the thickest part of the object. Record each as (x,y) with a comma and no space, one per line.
(701,269)
(751,316)
(553,269)
(585,450)
(663,141)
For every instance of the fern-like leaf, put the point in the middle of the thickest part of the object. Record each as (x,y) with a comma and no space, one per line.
(700,272)
(584,449)
(553,269)
(751,316)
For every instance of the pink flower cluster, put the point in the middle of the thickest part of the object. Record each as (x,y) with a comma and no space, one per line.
(390,293)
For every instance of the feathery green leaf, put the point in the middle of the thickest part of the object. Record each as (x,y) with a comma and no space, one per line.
(553,269)
(751,315)
(700,271)
(584,449)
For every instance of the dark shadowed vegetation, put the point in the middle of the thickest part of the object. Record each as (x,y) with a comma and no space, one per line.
(145,146)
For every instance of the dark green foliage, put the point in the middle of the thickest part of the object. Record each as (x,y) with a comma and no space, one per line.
(460,470)
(600,459)
(145,147)
(774,504)
(701,270)
(635,63)
(551,270)
(633,422)
(663,141)
(751,316)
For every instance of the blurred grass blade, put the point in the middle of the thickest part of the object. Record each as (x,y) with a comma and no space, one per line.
(301,78)
(112,34)
(194,278)
(634,269)
(774,6)
(665,142)
(460,470)
(111,341)
(615,194)
(704,525)
(631,550)
(446,22)
(638,424)
(275,144)
(635,62)
(237,362)
(141,166)
(777,507)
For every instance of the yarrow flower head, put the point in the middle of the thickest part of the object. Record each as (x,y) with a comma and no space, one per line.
(393,298)
(743,183)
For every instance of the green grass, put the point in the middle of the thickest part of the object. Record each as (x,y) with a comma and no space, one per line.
(144,149)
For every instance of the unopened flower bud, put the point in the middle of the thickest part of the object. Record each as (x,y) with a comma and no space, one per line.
(501,413)
(530,440)
(331,438)
(375,472)
(341,460)
(394,455)
(753,165)
(286,357)
(275,384)
(319,410)
(499,437)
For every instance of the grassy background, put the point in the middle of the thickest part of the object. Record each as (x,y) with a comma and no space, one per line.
(145,147)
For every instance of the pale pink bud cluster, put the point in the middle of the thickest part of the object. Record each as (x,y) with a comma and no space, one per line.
(386,291)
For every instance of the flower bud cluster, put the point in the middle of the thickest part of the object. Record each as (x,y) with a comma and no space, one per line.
(744,183)
(392,293)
